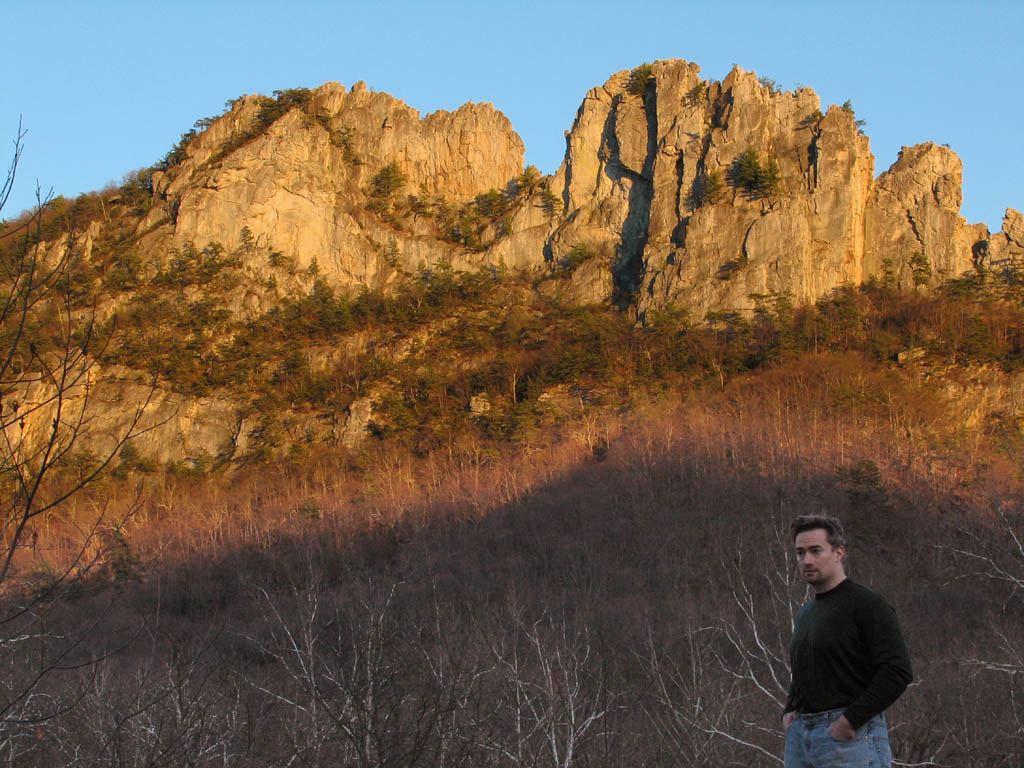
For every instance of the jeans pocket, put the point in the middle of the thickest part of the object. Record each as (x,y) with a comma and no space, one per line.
(858,735)
(853,753)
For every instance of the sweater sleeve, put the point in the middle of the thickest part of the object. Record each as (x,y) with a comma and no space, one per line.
(891,670)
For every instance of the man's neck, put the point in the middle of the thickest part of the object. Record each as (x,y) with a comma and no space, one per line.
(823,588)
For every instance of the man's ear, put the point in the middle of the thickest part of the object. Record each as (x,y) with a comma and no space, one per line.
(841,551)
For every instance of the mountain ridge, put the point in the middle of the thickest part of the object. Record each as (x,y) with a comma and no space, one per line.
(632,188)
(677,196)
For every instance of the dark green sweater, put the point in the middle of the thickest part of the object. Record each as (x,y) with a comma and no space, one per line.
(848,653)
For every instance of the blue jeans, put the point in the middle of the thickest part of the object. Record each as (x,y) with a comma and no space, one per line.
(809,744)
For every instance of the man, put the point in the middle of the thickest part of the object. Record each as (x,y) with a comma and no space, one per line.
(848,658)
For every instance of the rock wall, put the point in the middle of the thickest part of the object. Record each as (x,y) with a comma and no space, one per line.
(913,228)
(301,186)
(652,183)
(1006,247)
(655,180)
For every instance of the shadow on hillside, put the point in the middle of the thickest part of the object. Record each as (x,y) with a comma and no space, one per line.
(613,594)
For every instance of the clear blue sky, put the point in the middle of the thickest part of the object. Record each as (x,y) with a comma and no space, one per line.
(107,87)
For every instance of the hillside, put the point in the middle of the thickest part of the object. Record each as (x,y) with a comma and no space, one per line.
(257,286)
(340,437)
(619,597)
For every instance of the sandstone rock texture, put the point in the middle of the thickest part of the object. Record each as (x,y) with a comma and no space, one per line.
(657,178)
(358,423)
(300,187)
(652,181)
(1005,246)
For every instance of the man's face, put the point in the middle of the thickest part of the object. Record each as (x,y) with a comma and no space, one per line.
(820,563)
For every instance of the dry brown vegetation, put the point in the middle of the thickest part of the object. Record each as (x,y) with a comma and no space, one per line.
(600,582)
(620,595)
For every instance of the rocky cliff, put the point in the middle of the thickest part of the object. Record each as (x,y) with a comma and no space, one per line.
(675,191)
(666,180)
(300,186)
(660,182)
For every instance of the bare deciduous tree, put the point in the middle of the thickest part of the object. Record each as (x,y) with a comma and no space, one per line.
(48,346)
(1000,561)
(554,700)
(359,688)
(720,696)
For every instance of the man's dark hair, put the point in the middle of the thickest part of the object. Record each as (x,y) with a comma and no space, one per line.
(834,532)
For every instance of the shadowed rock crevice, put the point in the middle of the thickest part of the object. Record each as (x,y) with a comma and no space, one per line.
(627,274)
(917,234)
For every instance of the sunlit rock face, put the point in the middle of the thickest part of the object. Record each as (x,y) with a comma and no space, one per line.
(657,178)
(659,182)
(301,187)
